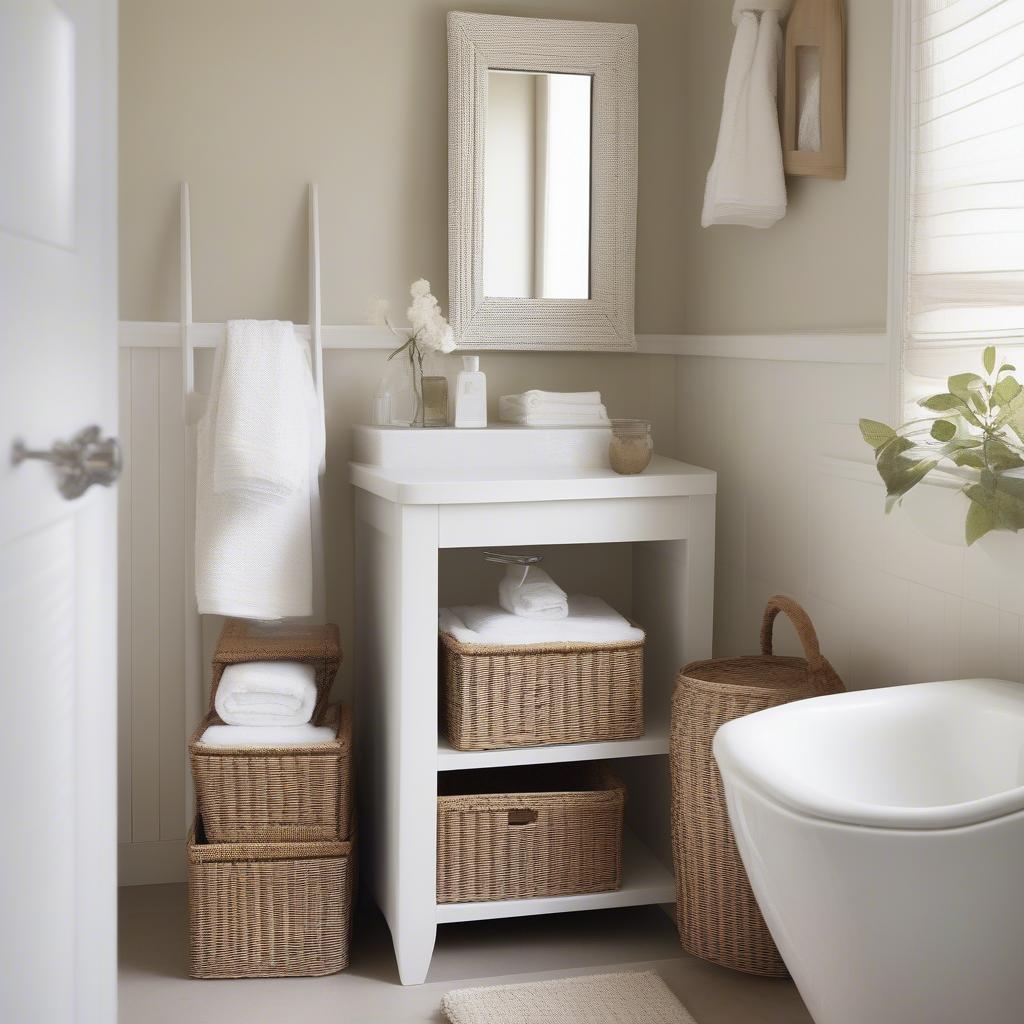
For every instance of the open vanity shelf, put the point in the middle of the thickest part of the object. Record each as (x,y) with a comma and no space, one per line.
(422,498)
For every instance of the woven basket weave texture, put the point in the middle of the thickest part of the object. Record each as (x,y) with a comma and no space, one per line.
(275,794)
(527,832)
(495,697)
(716,912)
(268,910)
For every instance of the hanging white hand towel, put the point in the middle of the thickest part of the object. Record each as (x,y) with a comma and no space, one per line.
(253,535)
(746,184)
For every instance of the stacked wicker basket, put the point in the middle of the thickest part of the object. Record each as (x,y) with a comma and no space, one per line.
(535,830)
(271,858)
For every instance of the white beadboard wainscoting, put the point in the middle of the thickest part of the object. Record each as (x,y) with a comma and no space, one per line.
(798,512)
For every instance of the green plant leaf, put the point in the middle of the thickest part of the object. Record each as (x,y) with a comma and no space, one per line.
(988,358)
(1005,391)
(878,435)
(1005,368)
(963,385)
(1000,509)
(941,403)
(900,471)
(943,430)
(967,458)
(1001,457)
(980,520)
(950,403)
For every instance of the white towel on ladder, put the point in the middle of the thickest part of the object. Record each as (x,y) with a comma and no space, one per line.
(746,184)
(254,549)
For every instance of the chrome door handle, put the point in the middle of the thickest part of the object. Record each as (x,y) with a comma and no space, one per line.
(85,460)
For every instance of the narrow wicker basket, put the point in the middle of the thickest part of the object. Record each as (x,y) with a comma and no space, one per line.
(275,794)
(268,910)
(243,641)
(718,917)
(525,832)
(495,697)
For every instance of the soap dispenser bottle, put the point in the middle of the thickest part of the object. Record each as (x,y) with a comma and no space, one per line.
(471,394)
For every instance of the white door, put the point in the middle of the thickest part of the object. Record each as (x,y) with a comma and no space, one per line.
(58,179)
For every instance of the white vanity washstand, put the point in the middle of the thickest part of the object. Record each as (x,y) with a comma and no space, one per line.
(420,491)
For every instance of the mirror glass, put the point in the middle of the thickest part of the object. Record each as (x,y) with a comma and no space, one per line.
(537,185)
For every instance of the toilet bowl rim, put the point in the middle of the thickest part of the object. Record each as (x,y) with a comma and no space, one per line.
(807,800)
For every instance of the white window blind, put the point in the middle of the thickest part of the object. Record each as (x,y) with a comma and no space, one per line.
(966,202)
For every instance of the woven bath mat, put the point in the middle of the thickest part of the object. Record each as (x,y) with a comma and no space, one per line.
(633,997)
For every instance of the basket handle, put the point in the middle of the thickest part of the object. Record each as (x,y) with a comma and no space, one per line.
(801,622)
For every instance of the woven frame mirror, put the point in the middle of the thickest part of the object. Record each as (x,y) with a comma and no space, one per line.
(477,44)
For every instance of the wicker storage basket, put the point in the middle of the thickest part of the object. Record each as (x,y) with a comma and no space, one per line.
(268,910)
(241,641)
(524,832)
(275,794)
(718,917)
(538,694)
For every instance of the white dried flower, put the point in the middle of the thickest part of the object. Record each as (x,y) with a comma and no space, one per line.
(429,327)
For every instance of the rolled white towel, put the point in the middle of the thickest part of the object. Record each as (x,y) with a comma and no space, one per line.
(590,620)
(267,735)
(266,693)
(532,594)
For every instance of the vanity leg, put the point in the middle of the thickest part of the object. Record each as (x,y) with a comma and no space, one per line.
(411,743)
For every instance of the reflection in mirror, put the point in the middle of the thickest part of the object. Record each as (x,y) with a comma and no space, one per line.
(537,185)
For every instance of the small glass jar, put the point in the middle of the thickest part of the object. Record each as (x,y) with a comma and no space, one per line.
(631,446)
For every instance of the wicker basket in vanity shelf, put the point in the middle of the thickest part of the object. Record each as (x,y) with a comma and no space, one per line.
(275,794)
(528,831)
(718,916)
(532,695)
(268,910)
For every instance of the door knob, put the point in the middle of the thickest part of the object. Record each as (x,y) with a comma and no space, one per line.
(85,460)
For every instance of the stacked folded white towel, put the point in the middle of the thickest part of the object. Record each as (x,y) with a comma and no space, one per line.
(266,703)
(529,592)
(590,620)
(267,735)
(554,409)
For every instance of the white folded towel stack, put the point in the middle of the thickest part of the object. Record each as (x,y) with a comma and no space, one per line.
(746,184)
(553,409)
(590,620)
(528,591)
(266,693)
(267,735)
(259,445)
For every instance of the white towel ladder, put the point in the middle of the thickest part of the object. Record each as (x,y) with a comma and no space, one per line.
(193,405)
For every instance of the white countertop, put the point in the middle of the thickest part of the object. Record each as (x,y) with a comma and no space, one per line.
(460,485)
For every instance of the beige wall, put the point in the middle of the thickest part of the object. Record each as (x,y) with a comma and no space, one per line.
(823,267)
(250,99)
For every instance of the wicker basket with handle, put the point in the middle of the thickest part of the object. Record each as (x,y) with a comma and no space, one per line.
(718,917)
(528,831)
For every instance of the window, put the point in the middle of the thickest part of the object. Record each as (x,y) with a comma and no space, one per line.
(965,208)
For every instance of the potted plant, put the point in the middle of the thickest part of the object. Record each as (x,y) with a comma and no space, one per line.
(974,430)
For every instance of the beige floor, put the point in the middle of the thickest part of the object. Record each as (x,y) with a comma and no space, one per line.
(154,989)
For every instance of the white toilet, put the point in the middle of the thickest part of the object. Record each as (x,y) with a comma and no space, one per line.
(883,833)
